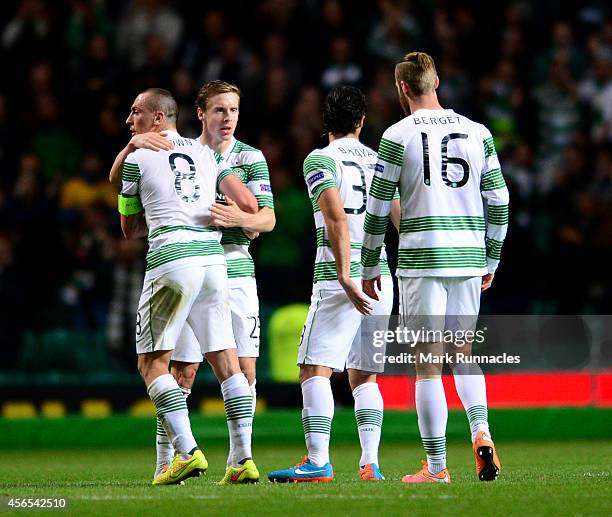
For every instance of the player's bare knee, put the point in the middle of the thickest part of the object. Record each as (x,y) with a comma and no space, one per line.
(357,378)
(308,371)
(247,366)
(250,375)
(224,363)
(152,365)
(143,367)
(428,371)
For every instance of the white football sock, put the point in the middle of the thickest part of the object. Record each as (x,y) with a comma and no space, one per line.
(317,417)
(432,413)
(369,416)
(163,446)
(472,390)
(230,457)
(172,411)
(254,395)
(239,413)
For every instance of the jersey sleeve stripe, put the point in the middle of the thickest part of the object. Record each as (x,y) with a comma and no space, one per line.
(375,225)
(494,248)
(317,162)
(492,180)
(489,147)
(241,146)
(391,152)
(370,258)
(382,188)
(498,214)
(258,170)
(318,189)
(225,173)
(130,172)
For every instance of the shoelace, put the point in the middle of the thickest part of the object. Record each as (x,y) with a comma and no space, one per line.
(304,460)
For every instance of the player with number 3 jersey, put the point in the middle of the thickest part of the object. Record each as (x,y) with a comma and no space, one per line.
(340,319)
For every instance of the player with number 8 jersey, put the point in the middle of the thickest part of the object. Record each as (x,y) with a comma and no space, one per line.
(168,188)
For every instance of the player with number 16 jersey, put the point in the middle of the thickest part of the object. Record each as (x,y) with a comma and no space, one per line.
(446,168)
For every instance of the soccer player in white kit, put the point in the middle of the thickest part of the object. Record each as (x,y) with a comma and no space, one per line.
(167,194)
(338,178)
(446,167)
(218,104)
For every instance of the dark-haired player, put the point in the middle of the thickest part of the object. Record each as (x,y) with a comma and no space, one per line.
(338,178)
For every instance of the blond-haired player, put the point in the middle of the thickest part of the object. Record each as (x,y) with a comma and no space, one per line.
(218,106)
(449,248)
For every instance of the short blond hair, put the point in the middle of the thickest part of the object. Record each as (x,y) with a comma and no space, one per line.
(418,71)
(212,88)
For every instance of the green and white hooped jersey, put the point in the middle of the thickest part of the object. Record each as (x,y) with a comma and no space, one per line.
(445,166)
(347,165)
(249,164)
(175,189)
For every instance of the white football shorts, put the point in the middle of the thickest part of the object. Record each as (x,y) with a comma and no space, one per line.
(332,334)
(196,296)
(437,304)
(244,310)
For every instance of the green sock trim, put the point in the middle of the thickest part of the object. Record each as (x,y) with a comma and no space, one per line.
(317,424)
(369,417)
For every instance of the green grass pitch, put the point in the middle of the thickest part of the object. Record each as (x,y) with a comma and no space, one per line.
(538,478)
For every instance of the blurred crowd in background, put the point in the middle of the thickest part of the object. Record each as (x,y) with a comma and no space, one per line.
(538,74)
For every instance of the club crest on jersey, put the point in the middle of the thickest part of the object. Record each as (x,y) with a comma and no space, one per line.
(240,172)
(379,167)
(314,178)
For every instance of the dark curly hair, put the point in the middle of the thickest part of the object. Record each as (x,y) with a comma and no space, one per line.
(343,108)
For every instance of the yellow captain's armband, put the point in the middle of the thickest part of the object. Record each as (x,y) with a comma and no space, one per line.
(129,205)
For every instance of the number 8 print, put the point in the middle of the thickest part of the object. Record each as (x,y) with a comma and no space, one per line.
(184,181)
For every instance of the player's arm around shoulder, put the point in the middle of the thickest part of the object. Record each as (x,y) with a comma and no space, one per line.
(152,140)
